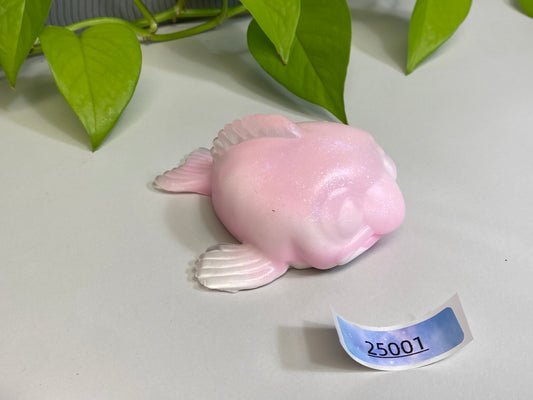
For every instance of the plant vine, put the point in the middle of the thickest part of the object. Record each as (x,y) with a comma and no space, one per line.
(147,26)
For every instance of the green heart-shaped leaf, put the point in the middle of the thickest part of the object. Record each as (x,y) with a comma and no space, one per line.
(432,23)
(527,5)
(96,72)
(20,23)
(278,20)
(317,68)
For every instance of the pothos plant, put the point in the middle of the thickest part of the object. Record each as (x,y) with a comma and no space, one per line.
(302,44)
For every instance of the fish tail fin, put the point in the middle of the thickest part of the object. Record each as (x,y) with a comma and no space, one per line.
(193,176)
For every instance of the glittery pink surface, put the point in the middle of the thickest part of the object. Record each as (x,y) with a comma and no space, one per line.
(312,194)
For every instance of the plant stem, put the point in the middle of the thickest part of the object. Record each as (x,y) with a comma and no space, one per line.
(106,20)
(145,28)
(223,11)
(189,14)
(223,14)
(178,8)
(151,20)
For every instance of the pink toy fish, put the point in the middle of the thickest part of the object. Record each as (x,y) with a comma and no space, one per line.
(310,194)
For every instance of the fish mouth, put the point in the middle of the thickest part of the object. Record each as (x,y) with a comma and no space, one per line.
(301,266)
(361,249)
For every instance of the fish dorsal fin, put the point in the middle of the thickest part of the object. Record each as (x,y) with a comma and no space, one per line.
(253,127)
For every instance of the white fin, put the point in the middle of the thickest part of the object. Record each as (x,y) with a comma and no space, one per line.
(234,267)
(253,127)
(192,176)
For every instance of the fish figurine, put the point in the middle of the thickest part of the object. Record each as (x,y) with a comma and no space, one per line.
(308,194)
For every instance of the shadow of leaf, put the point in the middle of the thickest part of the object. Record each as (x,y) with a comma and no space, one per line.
(53,117)
(381,35)
(222,57)
(515,4)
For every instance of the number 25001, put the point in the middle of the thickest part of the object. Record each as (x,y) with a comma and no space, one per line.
(394,350)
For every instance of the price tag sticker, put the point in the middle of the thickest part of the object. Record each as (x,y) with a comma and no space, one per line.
(406,346)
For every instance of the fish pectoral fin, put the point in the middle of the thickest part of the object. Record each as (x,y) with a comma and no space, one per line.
(193,176)
(234,267)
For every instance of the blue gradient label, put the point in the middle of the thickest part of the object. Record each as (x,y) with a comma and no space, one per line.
(408,346)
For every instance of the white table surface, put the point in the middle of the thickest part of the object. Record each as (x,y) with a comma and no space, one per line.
(97,299)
